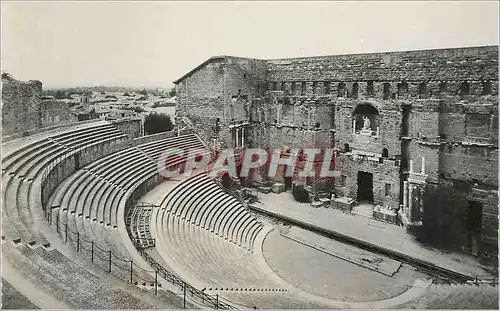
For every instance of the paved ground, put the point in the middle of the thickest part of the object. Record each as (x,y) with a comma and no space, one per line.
(382,234)
(13,299)
(322,274)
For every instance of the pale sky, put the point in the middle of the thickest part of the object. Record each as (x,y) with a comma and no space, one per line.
(154,43)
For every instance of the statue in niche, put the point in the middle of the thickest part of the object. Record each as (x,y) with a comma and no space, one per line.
(366,123)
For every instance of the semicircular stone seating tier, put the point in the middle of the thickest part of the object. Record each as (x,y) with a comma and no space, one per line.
(89,199)
(20,167)
(208,237)
(200,201)
(25,242)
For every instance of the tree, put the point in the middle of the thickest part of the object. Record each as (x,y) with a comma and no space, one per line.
(143,92)
(6,75)
(172,92)
(138,109)
(157,123)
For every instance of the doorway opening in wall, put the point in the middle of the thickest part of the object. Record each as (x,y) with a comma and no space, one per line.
(474,224)
(365,187)
(288,182)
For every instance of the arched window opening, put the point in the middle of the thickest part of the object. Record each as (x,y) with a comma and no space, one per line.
(385,153)
(347,148)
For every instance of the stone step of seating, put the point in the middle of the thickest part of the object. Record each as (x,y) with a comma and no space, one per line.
(208,257)
(136,180)
(102,201)
(42,144)
(92,218)
(34,244)
(225,224)
(50,157)
(51,149)
(127,179)
(90,191)
(16,146)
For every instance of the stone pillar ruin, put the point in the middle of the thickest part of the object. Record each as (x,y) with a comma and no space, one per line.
(413,197)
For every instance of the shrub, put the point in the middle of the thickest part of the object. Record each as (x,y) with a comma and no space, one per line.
(300,194)
(157,123)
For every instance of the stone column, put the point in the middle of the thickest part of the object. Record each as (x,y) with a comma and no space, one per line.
(405,197)
(354,125)
(410,199)
(423,165)
(411,166)
(378,131)
(242,137)
(237,138)
(421,202)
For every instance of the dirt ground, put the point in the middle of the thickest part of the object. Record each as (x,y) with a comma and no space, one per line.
(325,275)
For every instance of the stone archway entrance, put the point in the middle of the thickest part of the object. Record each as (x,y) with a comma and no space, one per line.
(365,187)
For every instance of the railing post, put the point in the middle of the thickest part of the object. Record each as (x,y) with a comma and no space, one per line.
(92,251)
(156,282)
(66,233)
(57,223)
(216,301)
(77,242)
(109,270)
(131,267)
(184,294)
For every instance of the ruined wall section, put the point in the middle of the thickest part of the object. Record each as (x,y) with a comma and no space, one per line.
(54,112)
(20,105)
(453,65)
(223,89)
(130,126)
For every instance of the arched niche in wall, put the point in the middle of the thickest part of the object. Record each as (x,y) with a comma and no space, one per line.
(385,153)
(365,120)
